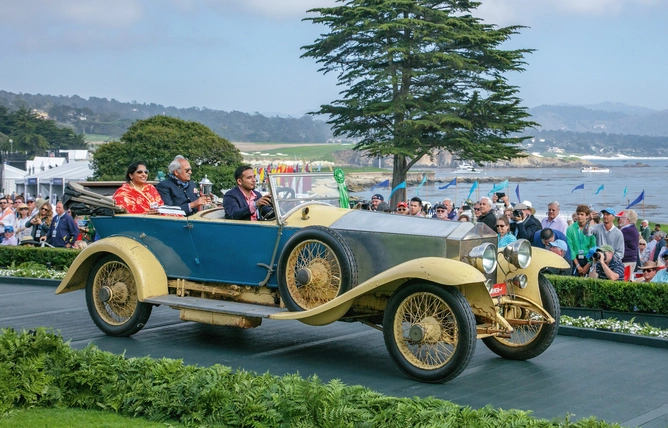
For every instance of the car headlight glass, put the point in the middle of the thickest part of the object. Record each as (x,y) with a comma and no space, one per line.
(483,257)
(518,253)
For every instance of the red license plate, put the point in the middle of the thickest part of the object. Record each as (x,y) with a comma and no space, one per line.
(498,290)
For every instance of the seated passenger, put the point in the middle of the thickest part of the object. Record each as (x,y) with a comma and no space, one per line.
(244,202)
(136,195)
(178,190)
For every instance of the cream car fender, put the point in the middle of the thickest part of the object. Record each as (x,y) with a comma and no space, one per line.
(540,259)
(439,270)
(147,270)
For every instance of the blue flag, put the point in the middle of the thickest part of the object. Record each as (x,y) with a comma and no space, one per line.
(625,190)
(382,184)
(498,187)
(424,180)
(452,183)
(637,200)
(401,185)
(581,186)
(475,186)
(599,189)
(517,192)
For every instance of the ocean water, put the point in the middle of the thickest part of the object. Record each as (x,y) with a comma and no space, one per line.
(543,185)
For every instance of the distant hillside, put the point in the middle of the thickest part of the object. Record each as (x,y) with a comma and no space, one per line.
(111,117)
(611,118)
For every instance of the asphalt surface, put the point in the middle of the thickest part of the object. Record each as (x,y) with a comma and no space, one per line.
(617,382)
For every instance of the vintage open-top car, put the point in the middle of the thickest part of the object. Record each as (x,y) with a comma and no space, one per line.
(433,287)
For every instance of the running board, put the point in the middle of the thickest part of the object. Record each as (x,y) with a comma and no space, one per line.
(213,305)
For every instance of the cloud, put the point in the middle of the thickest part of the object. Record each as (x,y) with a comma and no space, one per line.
(274,9)
(525,12)
(100,13)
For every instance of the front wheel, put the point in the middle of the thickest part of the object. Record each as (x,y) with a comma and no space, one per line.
(529,339)
(429,331)
(111,297)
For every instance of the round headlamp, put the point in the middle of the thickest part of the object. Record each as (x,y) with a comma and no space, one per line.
(483,257)
(518,253)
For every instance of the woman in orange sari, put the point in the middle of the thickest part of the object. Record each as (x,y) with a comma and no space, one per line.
(136,195)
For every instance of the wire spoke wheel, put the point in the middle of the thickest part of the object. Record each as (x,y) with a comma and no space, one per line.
(114,279)
(428,329)
(313,274)
(532,335)
(316,265)
(524,333)
(112,298)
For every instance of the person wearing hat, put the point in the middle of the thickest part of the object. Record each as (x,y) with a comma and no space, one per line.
(606,233)
(9,238)
(648,272)
(606,265)
(524,224)
(661,275)
(37,206)
(402,208)
(22,226)
(375,200)
(560,248)
(440,212)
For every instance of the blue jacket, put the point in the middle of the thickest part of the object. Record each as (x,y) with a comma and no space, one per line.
(66,229)
(237,208)
(173,194)
(557,235)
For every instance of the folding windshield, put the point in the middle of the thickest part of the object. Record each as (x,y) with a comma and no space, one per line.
(292,190)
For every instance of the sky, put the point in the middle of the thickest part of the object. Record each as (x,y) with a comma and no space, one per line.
(244,55)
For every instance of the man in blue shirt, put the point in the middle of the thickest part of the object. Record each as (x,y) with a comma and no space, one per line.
(63,231)
(543,238)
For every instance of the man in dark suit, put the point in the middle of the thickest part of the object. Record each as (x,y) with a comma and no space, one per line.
(177,190)
(524,224)
(244,202)
(63,231)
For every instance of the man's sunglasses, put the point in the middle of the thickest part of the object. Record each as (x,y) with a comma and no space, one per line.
(650,270)
(402,209)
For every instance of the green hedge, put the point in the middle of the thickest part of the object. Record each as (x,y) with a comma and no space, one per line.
(646,297)
(60,258)
(39,369)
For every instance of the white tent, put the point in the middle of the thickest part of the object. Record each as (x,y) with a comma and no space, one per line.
(9,177)
(51,182)
(42,163)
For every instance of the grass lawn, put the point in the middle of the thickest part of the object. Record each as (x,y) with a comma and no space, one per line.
(67,418)
(320,152)
(98,137)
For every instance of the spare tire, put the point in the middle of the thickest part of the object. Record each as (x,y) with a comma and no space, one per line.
(315,266)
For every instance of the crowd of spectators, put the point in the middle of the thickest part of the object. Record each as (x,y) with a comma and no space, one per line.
(598,244)
(36,222)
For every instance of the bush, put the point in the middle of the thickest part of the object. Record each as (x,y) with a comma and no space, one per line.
(647,297)
(39,369)
(58,258)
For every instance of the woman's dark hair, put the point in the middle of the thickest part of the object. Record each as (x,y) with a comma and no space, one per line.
(132,169)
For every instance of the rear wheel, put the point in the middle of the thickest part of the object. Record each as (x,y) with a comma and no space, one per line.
(429,331)
(316,266)
(111,297)
(528,340)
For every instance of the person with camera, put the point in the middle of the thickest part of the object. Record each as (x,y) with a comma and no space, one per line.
(606,265)
(524,225)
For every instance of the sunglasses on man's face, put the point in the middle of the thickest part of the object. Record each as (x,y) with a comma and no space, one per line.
(440,211)
(650,270)
(402,209)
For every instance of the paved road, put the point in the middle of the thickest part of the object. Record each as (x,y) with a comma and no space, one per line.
(616,382)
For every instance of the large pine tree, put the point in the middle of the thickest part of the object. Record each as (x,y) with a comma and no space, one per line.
(419,76)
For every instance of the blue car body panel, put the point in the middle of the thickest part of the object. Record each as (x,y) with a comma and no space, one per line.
(198,250)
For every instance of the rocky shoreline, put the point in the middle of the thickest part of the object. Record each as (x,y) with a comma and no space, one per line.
(361,181)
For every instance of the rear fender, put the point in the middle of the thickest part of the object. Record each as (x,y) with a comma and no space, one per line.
(147,270)
(468,279)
